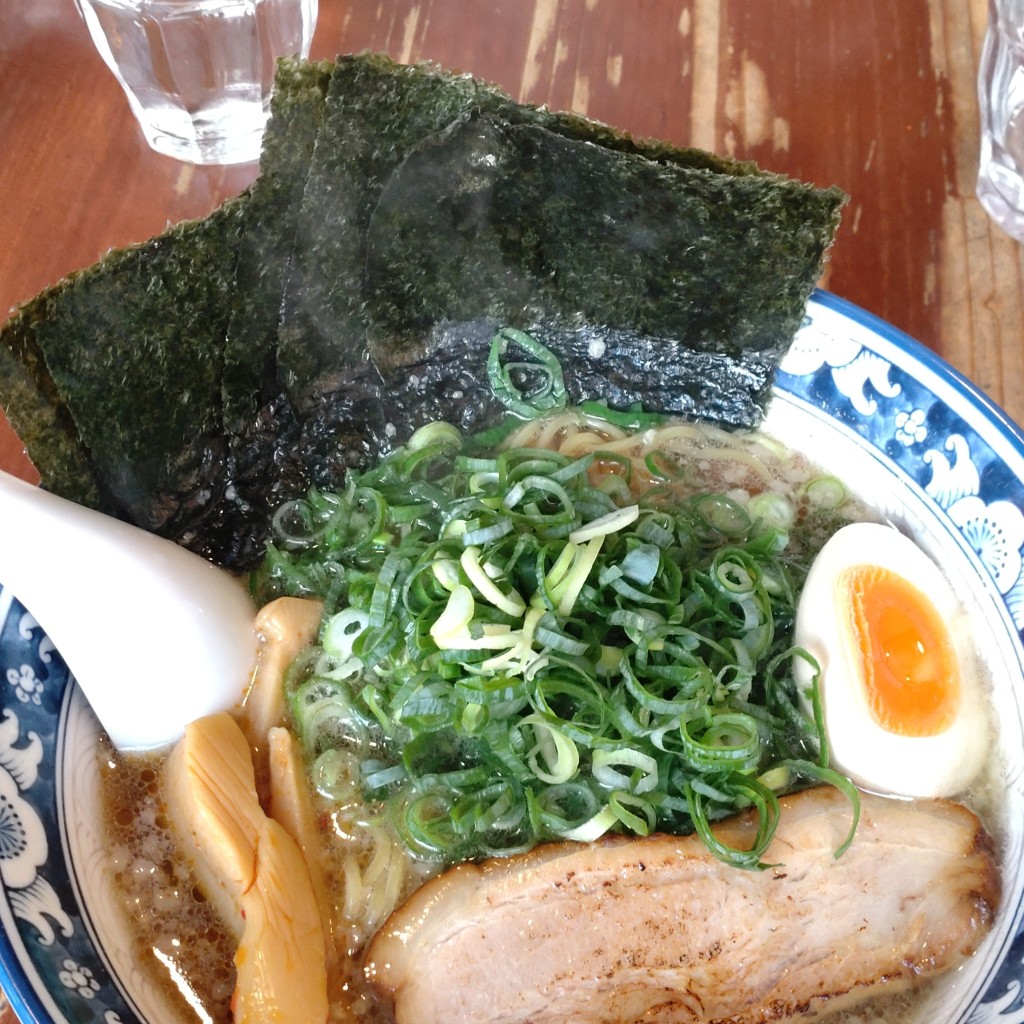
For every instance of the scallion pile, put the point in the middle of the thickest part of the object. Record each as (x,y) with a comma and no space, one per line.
(511,654)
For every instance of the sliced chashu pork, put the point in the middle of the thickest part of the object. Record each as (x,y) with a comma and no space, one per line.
(658,930)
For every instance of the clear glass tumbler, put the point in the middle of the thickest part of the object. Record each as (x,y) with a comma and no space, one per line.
(198,73)
(1001,99)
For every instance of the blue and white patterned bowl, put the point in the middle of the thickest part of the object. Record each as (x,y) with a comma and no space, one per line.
(860,398)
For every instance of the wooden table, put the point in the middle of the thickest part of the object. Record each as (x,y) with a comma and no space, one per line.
(877,96)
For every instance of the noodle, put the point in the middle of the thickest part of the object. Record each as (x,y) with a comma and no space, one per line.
(757,461)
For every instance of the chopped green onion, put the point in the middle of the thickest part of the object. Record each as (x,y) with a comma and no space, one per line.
(772,509)
(515,653)
(341,631)
(606,765)
(554,758)
(660,466)
(437,433)
(631,420)
(594,827)
(825,492)
(549,393)
(611,522)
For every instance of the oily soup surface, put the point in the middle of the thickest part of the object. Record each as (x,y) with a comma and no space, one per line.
(176,932)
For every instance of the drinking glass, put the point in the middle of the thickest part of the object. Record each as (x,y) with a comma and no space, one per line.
(1001,100)
(198,73)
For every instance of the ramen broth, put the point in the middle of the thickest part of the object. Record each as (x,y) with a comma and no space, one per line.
(187,952)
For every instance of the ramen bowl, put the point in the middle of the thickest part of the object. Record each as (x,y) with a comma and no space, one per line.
(905,432)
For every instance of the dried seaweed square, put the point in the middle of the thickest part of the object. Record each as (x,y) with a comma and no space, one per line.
(519,224)
(39,415)
(266,241)
(135,348)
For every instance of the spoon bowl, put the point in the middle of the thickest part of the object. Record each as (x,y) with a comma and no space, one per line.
(186,645)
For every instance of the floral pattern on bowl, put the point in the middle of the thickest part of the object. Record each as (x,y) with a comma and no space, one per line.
(853,392)
(46,932)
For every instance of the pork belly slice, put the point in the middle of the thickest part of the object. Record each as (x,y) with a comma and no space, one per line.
(656,929)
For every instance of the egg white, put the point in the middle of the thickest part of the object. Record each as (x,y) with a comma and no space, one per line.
(874,758)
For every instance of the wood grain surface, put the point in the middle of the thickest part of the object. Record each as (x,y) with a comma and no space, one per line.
(877,96)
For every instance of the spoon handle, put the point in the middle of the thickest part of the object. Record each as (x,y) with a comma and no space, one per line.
(155,635)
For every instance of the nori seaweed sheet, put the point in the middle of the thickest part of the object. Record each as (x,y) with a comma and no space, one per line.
(161,352)
(135,346)
(261,462)
(435,204)
(354,425)
(520,225)
(39,414)
(204,376)
(597,362)
(378,113)
(265,245)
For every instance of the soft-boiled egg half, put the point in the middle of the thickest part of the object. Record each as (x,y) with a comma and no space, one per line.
(904,709)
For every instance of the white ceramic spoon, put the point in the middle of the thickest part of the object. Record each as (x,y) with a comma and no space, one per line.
(155,635)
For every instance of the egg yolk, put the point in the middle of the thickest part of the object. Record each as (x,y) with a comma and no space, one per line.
(907,662)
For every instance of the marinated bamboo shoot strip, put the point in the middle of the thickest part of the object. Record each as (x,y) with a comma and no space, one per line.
(284,627)
(291,805)
(281,958)
(253,871)
(211,800)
